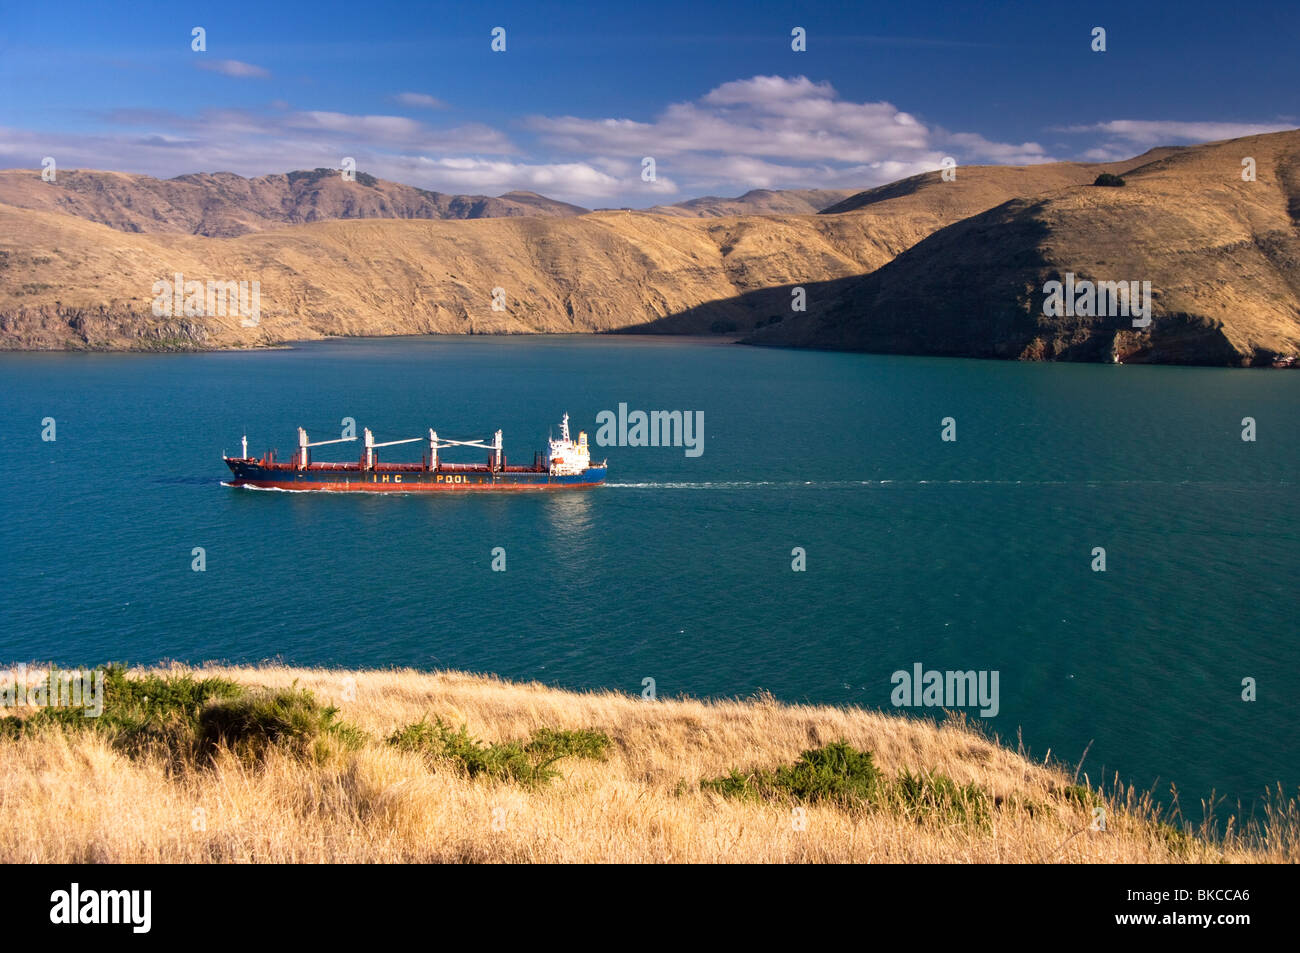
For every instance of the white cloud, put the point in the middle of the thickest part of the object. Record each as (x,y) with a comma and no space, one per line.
(778,132)
(761,132)
(1161,132)
(764,116)
(568,180)
(1113,154)
(769,90)
(230,141)
(975,146)
(1120,139)
(235,68)
(420,100)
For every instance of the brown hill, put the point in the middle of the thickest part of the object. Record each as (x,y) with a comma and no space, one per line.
(984,186)
(1222,256)
(73,283)
(222,204)
(69,283)
(758,202)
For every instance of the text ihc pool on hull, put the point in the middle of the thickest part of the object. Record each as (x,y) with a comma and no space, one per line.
(567,466)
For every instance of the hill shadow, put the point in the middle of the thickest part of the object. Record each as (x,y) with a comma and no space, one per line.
(748,312)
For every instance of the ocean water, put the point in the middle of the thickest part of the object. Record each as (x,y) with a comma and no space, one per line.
(973,554)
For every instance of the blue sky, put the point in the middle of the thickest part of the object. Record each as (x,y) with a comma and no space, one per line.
(583,92)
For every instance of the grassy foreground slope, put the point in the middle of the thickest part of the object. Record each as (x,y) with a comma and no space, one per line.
(250,765)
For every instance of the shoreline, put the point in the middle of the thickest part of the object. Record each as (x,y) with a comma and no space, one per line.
(712,339)
(297,343)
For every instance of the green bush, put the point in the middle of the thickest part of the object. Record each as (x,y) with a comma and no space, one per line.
(146,713)
(1109,179)
(188,719)
(438,741)
(737,784)
(529,763)
(551,743)
(11,727)
(836,772)
(1080,795)
(840,774)
(291,719)
(938,796)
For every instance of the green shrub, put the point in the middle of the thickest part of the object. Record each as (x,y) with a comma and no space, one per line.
(527,763)
(840,774)
(836,772)
(937,796)
(437,740)
(188,719)
(551,743)
(147,713)
(1080,795)
(738,785)
(1109,179)
(291,719)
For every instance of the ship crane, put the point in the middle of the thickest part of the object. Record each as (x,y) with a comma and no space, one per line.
(371,446)
(304,458)
(435,445)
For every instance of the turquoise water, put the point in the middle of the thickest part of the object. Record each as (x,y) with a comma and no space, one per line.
(973,554)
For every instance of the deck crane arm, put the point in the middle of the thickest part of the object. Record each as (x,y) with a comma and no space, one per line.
(435,445)
(304,445)
(371,445)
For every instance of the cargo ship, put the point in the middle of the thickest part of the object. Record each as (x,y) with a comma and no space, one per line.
(566,466)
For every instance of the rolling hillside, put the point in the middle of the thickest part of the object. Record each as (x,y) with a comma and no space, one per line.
(758,202)
(1222,256)
(921,266)
(373,780)
(222,204)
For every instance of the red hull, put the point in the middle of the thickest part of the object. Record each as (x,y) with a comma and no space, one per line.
(410,487)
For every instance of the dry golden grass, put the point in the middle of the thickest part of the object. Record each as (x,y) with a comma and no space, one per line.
(73,798)
(71,282)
